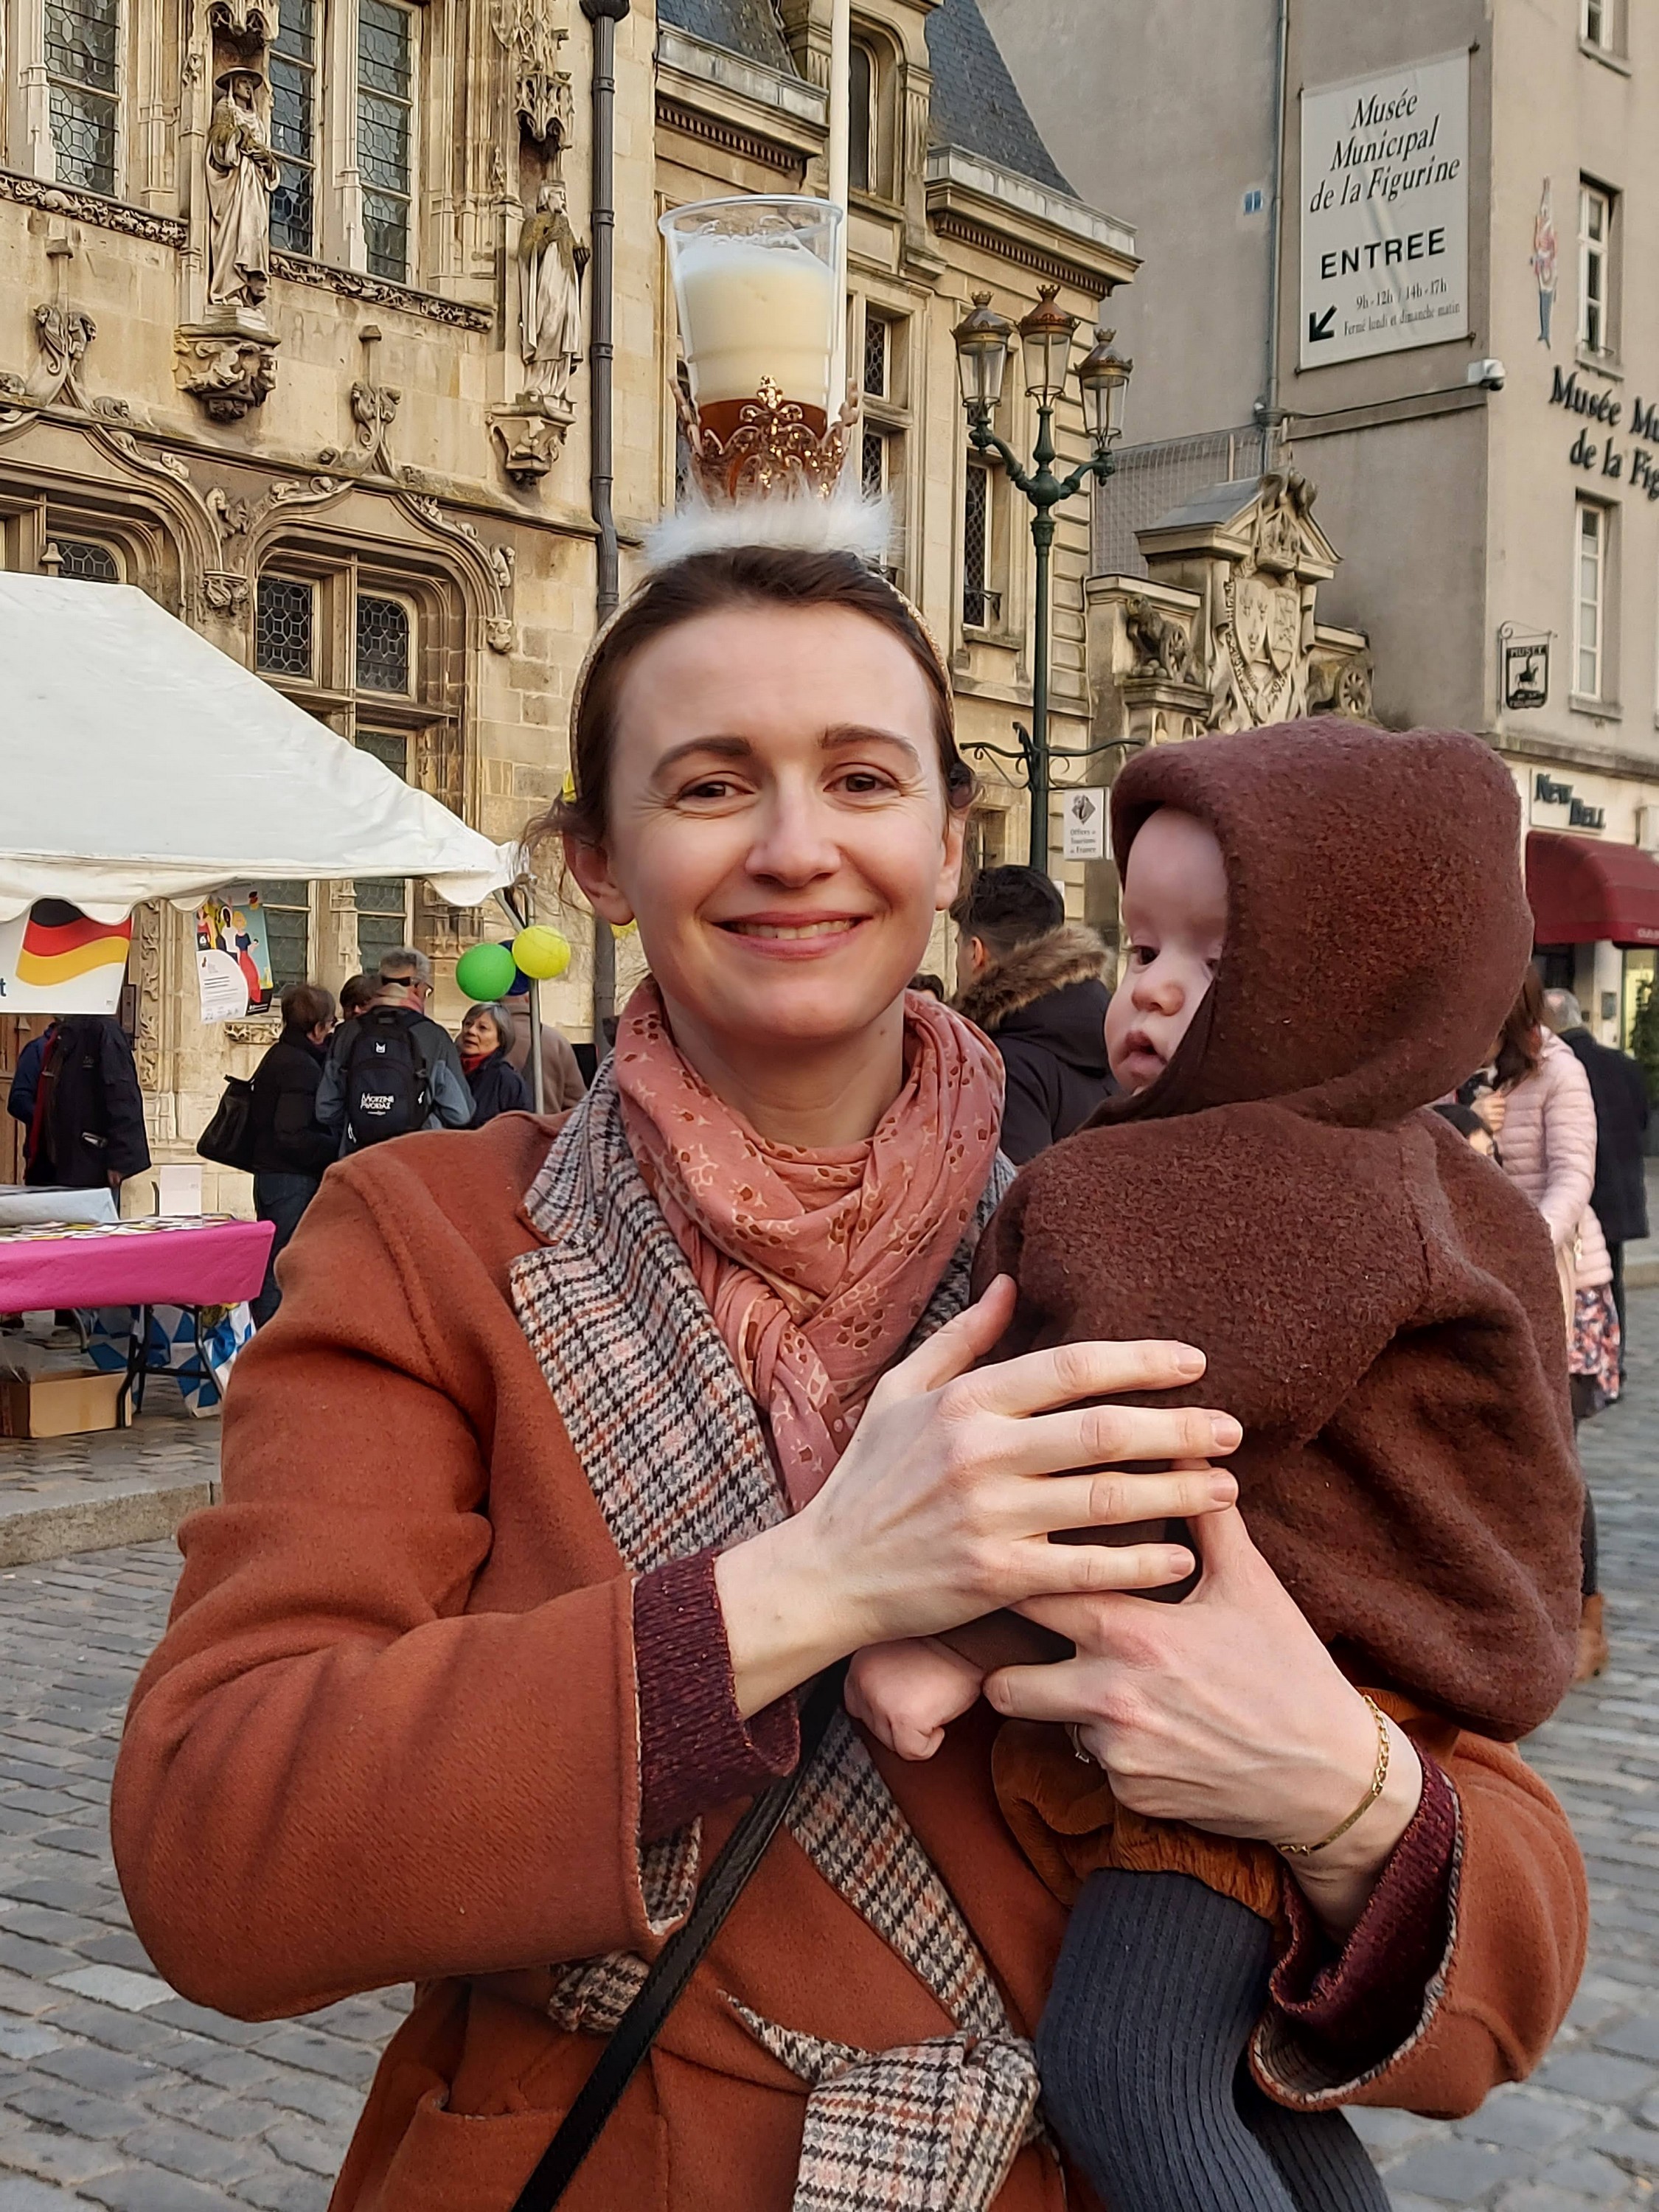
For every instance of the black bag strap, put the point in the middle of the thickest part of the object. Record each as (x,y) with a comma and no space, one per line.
(675,1963)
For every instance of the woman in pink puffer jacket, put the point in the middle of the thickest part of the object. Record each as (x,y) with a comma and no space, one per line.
(1548,1141)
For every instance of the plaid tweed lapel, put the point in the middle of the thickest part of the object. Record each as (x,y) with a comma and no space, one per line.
(677,1456)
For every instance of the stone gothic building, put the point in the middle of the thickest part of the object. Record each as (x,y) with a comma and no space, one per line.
(292,337)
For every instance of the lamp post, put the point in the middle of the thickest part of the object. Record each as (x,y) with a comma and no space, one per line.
(983,341)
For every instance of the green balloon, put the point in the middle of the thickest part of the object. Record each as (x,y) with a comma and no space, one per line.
(486,972)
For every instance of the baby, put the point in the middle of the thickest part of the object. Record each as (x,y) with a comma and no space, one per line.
(1327,925)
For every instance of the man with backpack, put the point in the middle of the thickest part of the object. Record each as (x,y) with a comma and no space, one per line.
(391,1069)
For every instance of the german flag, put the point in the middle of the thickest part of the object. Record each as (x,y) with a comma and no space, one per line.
(60,943)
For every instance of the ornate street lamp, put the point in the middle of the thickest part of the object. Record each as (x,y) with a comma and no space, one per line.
(1046,335)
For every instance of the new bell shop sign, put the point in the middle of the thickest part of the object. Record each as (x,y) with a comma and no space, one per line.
(1607,444)
(1556,806)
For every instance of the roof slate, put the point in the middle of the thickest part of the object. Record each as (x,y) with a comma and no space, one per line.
(748,27)
(975,105)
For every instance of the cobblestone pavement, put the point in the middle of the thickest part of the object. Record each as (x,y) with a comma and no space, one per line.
(114,2092)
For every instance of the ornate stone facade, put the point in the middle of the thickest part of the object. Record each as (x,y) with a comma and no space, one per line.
(292,337)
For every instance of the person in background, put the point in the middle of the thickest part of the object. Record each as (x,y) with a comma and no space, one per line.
(1470,1127)
(291,1149)
(357,993)
(1036,985)
(563,1083)
(26,1086)
(403,985)
(496,1085)
(1619,1197)
(925,980)
(1549,1148)
(88,1126)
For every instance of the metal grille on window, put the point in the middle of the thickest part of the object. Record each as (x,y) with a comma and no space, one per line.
(873,464)
(293,65)
(382,643)
(385,91)
(979,604)
(90,563)
(82,38)
(875,357)
(283,626)
(287,908)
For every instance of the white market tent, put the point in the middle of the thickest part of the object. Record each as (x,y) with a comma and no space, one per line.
(138,761)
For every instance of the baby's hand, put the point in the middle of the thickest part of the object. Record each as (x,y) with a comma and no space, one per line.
(908,1693)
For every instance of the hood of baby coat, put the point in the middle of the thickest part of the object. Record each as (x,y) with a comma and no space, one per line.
(1377,924)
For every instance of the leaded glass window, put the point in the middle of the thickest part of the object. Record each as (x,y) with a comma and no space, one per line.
(284,626)
(873,463)
(84,559)
(981,605)
(382,644)
(386,87)
(876,332)
(382,901)
(292,70)
(82,38)
(287,908)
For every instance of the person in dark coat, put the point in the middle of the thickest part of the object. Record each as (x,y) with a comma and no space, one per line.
(1036,985)
(291,1148)
(25,1085)
(88,1120)
(1618,1198)
(497,1087)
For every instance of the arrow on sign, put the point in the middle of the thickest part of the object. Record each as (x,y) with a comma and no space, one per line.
(1319,326)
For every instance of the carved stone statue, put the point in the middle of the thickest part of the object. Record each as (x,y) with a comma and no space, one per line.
(242,173)
(550,265)
(1161,647)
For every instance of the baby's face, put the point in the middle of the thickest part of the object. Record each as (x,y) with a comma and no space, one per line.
(1175,917)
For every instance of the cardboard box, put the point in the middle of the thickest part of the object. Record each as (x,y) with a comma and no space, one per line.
(65,1402)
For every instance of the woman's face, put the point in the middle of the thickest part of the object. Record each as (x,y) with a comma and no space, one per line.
(478,1033)
(777,823)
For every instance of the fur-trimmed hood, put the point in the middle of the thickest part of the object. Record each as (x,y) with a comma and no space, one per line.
(1071,954)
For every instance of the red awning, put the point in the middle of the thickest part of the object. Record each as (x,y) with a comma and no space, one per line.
(1582,891)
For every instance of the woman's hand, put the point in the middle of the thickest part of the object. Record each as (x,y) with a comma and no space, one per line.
(1227,1712)
(942,1505)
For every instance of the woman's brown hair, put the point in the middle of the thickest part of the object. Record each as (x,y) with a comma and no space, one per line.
(1521,1043)
(705,583)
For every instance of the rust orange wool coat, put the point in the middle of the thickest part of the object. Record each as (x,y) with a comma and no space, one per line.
(392,1737)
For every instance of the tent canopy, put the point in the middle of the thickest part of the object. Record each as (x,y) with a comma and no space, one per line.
(138,761)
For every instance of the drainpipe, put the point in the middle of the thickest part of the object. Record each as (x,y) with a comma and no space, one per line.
(603,15)
(1268,410)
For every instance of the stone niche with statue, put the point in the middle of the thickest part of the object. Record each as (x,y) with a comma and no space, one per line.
(1223,633)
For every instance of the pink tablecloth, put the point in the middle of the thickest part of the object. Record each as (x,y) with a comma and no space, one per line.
(196,1261)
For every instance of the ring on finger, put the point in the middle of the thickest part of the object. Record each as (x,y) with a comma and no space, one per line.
(1079,1750)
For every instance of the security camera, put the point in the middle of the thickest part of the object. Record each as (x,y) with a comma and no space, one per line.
(1491,373)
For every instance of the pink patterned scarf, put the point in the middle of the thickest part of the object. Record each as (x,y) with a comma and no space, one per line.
(815,1265)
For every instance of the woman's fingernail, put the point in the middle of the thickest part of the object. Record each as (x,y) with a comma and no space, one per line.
(1225,1432)
(1188,1362)
(1224,1490)
(1177,1566)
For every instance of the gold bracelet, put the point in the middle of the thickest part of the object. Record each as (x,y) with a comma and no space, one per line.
(1379,1776)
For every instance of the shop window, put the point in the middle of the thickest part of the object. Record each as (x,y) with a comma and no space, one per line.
(82,65)
(385,95)
(1590,601)
(382,644)
(1596,207)
(292,72)
(82,558)
(284,623)
(981,605)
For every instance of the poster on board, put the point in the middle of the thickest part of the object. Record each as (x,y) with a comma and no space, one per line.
(1385,211)
(233,958)
(56,960)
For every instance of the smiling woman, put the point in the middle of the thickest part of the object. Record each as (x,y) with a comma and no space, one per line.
(576,1449)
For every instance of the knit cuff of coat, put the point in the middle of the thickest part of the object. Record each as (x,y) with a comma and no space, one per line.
(1338,2018)
(696,1751)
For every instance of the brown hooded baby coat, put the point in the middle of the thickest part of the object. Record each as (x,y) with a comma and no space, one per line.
(1378,1303)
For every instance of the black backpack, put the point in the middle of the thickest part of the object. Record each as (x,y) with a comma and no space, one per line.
(387,1083)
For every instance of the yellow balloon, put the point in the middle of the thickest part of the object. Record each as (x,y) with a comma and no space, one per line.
(541,954)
